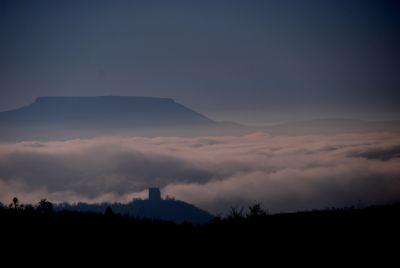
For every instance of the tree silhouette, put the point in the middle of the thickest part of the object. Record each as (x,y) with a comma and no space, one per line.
(109,212)
(15,203)
(256,212)
(236,214)
(45,207)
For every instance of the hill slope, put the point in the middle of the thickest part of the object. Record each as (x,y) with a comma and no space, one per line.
(168,210)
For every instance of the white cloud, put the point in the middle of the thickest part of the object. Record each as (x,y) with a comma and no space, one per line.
(282,172)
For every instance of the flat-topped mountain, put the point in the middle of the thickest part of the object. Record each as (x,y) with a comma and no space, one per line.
(115,110)
(83,117)
(60,118)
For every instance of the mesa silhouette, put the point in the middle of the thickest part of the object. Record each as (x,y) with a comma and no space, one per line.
(80,117)
(110,110)
(60,118)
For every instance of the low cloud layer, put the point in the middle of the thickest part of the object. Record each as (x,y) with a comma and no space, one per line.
(283,173)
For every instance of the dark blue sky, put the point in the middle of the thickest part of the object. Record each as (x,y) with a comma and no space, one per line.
(247,61)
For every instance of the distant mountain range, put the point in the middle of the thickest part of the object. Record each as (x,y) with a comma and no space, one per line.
(332,126)
(83,117)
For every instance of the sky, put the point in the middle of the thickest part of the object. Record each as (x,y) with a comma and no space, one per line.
(245,61)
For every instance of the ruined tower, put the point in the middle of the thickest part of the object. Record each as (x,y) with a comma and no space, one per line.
(154,194)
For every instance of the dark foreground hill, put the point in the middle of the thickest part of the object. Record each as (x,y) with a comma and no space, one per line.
(166,210)
(250,237)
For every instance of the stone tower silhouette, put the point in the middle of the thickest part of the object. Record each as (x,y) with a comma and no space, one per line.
(154,194)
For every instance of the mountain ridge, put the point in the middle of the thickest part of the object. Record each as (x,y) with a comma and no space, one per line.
(62,118)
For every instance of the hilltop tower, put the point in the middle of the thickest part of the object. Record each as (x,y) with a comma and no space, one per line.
(154,194)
